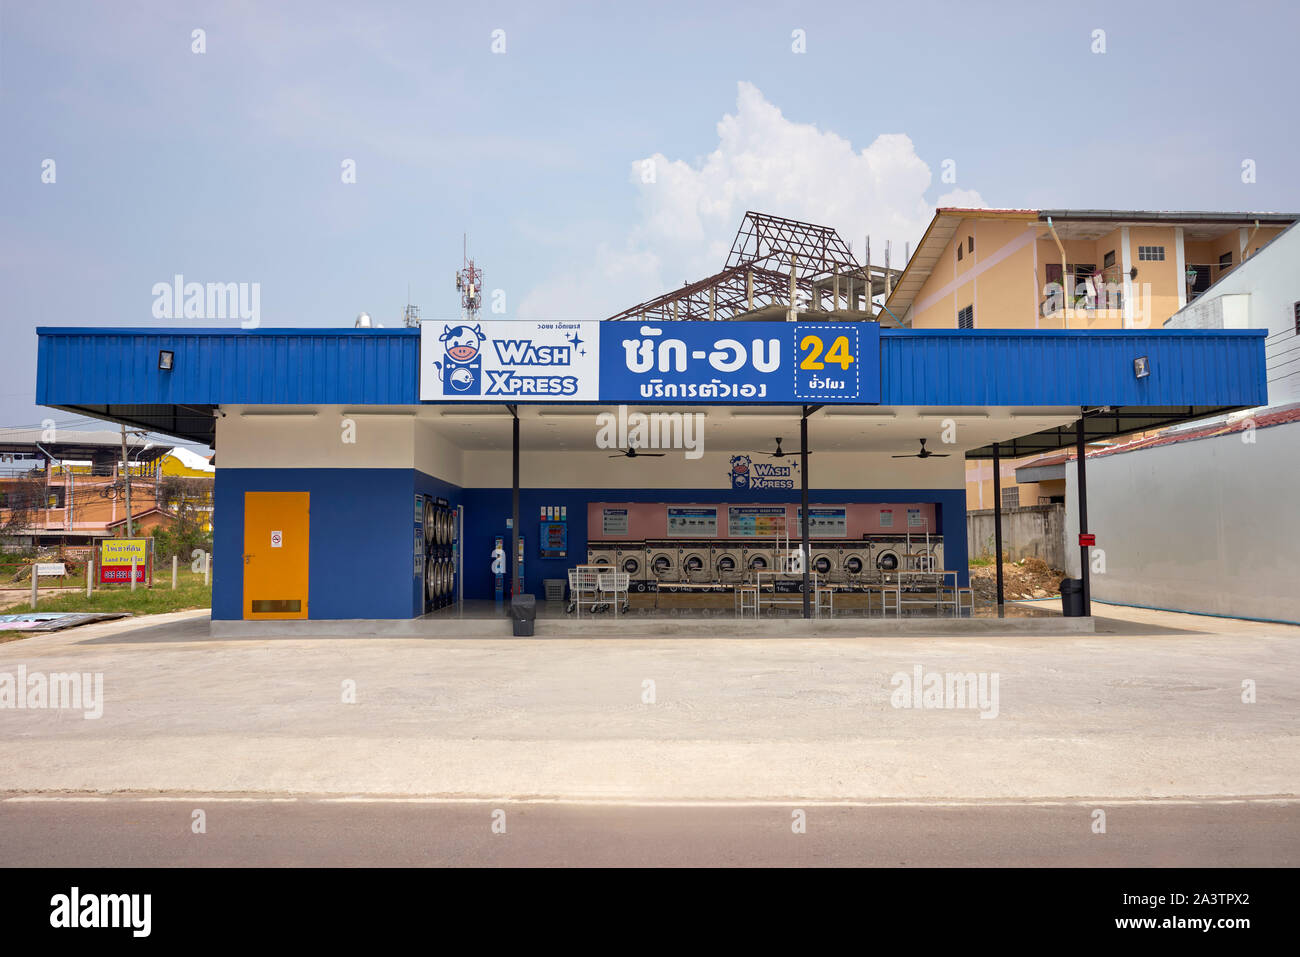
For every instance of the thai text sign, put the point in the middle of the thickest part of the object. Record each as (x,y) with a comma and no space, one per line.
(667,362)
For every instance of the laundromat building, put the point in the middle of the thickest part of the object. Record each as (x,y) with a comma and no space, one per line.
(339,450)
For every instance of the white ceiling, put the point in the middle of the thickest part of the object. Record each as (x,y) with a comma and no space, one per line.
(843,429)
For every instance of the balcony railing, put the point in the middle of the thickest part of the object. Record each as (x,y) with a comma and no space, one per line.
(1100,290)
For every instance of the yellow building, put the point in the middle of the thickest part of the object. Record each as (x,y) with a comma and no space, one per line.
(183,463)
(1123,269)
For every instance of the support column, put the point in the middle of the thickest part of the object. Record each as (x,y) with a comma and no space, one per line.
(997,523)
(516,586)
(1084,572)
(803,531)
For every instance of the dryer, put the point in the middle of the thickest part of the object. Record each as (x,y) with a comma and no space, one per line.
(440,544)
(602,553)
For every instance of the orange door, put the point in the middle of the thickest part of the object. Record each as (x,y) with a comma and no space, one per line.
(276,540)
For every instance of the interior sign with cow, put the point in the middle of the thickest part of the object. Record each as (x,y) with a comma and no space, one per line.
(628,362)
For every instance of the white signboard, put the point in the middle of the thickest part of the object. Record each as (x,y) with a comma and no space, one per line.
(692,522)
(613,521)
(48,569)
(501,359)
(277,539)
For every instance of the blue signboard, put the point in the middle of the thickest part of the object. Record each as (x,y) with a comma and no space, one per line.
(672,362)
(771,362)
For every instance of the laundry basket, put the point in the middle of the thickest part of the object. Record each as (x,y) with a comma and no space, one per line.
(554,588)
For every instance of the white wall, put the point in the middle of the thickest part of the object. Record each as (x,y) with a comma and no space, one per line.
(595,469)
(1208,526)
(1261,293)
(313,441)
(403,441)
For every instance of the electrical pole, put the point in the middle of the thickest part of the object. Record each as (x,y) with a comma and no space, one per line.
(126,471)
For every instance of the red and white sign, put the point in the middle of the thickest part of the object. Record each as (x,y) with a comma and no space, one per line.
(120,574)
(1087,539)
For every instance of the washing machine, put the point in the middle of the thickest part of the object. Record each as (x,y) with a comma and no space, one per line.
(934,550)
(758,558)
(855,561)
(888,553)
(602,553)
(661,563)
(695,560)
(630,558)
(728,561)
(826,561)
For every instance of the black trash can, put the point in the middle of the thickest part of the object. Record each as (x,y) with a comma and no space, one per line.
(1072,597)
(523,612)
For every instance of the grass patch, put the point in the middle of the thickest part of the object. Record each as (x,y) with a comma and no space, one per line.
(190,593)
(980,562)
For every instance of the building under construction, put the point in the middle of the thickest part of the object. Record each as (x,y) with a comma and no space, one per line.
(780,269)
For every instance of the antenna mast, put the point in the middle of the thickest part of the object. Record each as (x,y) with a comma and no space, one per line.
(469,283)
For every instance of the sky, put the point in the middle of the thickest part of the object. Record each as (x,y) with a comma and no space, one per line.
(595,155)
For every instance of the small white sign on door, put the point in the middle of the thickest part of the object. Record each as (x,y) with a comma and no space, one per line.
(277,539)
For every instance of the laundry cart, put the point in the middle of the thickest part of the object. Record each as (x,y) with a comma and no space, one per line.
(612,585)
(584,587)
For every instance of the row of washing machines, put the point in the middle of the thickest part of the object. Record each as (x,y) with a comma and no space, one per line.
(664,564)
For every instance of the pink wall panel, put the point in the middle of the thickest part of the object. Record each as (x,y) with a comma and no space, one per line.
(650,520)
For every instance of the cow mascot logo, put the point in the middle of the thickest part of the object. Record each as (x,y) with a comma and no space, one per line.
(740,471)
(463,348)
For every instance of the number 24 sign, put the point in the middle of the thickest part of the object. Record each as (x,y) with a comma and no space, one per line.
(828,366)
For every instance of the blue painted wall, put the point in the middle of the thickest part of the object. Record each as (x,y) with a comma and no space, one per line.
(78,366)
(363,524)
(362,539)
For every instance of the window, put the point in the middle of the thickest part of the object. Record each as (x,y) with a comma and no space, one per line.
(1108,260)
(958,253)
(1011,497)
(1225,261)
(970,244)
(1151,254)
(966,318)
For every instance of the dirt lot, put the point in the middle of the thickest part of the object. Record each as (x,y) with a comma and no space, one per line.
(1029,578)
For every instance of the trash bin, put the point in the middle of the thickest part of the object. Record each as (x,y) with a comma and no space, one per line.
(523,612)
(1072,597)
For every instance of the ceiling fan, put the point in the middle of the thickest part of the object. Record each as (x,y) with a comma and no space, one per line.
(923,454)
(780,453)
(631,453)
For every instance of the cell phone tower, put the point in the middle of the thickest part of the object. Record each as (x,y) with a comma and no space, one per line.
(469,283)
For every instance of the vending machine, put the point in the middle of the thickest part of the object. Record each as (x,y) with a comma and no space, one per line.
(553,533)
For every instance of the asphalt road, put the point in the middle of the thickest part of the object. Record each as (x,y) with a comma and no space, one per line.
(260,832)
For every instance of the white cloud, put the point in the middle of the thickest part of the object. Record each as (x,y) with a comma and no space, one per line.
(763,161)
